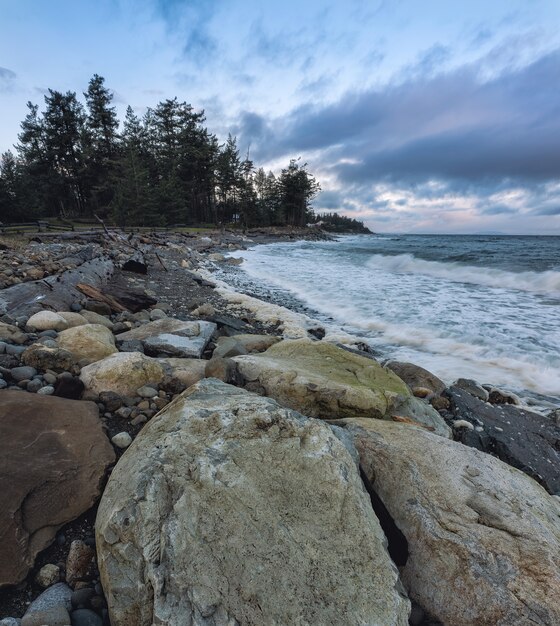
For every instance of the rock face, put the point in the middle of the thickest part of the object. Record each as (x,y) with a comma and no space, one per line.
(89,342)
(173,337)
(528,441)
(322,380)
(483,538)
(53,457)
(229,510)
(123,373)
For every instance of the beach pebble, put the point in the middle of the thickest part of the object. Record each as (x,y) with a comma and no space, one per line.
(14,350)
(71,388)
(46,391)
(10,621)
(53,616)
(86,617)
(112,401)
(463,424)
(157,314)
(147,392)
(49,378)
(48,575)
(3,383)
(34,385)
(78,561)
(124,412)
(122,440)
(23,373)
(47,320)
(48,333)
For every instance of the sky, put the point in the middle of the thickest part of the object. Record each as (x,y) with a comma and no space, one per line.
(420,116)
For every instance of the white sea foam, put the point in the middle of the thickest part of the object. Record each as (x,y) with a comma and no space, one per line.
(496,326)
(540,282)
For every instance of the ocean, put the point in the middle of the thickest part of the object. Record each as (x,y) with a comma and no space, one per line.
(480,307)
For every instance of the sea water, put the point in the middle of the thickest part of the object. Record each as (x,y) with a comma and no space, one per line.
(481,307)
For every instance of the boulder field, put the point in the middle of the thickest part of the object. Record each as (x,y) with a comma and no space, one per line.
(259,480)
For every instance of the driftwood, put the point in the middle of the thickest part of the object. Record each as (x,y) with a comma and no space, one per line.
(119,298)
(58,292)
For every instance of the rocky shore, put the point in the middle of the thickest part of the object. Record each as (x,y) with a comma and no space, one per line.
(173,452)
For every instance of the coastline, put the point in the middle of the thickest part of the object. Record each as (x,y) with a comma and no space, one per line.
(184,280)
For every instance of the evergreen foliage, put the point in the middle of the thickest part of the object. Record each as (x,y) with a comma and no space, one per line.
(165,168)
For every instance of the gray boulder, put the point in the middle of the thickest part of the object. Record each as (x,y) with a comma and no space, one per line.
(228,509)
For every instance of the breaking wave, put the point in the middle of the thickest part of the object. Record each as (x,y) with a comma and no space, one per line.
(538,282)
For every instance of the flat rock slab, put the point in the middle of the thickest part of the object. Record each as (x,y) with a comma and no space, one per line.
(172,337)
(228,509)
(53,457)
(528,441)
(483,538)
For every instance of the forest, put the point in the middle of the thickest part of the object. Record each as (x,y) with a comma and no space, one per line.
(164,168)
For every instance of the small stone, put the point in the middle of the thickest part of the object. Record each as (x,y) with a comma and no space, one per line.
(157,314)
(204,310)
(56,596)
(144,405)
(78,561)
(71,388)
(53,616)
(46,391)
(160,403)
(10,621)
(86,617)
(422,392)
(76,307)
(81,598)
(124,412)
(139,419)
(15,350)
(48,575)
(49,378)
(23,373)
(440,403)
(34,385)
(122,440)
(48,333)
(147,392)
(3,383)
(47,320)
(112,401)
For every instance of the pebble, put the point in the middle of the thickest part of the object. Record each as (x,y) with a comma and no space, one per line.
(139,419)
(76,307)
(3,383)
(86,617)
(34,385)
(124,412)
(15,350)
(49,378)
(147,392)
(48,333)
(81,598)
(10,621)
(48,575)
(157,314)
(71,388)
(3,347)
(57,595)
(112,401)
(46,391)
(122,440)
(78,561)
(144,405)
(24,372)
(53,616)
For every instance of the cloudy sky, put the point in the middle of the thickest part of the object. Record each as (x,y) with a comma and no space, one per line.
(415,115)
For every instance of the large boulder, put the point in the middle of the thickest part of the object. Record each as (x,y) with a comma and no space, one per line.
(172,337)
(123,373)
(53,457)
(483,538)
(322,380)
(90,342)
(526,440)
(228,509)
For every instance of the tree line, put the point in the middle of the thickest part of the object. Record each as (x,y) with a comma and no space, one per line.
(76,160)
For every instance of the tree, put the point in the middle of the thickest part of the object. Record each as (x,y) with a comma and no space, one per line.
(100,141)
(297,190)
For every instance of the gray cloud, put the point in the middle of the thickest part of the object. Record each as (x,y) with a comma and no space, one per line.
(450,127)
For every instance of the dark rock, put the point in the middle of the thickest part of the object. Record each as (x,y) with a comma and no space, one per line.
(98,307)
(53,457)
(131,345)
(48,333)
(525,440)
(317,332)
(135,266)
(76,307)
(81,598)
(34,385)
(71,388)
(8,361)
(416,376)
(23,373)
(86,617)
(472,387)
(15,350)
(111,400)
(497,396)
